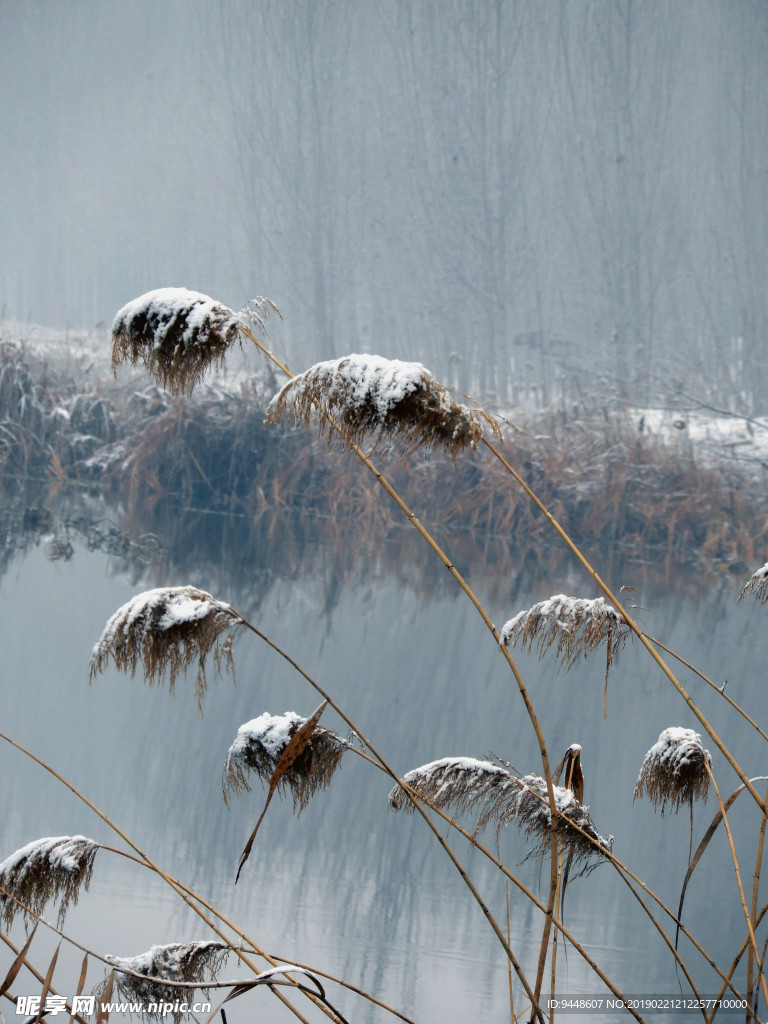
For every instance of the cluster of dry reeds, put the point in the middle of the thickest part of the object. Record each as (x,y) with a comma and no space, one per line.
(167,631)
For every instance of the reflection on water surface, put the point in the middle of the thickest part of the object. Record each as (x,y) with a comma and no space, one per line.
(350,887)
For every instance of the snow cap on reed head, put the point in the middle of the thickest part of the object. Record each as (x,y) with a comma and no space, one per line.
(53,868)
(576,625)
(757,584)
(466,784)
(385,400)
(675,770)
(179,962)
(259,745)
(178,334)
(167,629)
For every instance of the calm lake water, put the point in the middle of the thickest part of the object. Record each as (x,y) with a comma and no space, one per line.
(350,887)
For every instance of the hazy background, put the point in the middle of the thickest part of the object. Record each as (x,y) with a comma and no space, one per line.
(506,190)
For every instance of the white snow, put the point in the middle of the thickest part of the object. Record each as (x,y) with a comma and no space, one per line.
(357,379)
(165,963)
(165,305)
(675,747)
(65,852)
(565,612)
(272,731)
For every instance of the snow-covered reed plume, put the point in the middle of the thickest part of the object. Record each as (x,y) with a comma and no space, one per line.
(675,770)
(167,629)
(188,962)
(466,784)
(47,869)
(757,584)
(384,400)
(259,745)
(576,625)
(176,333)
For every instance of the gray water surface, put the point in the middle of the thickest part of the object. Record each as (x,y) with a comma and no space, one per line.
(350,887)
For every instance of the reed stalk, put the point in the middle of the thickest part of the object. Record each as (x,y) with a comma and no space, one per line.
(747,917)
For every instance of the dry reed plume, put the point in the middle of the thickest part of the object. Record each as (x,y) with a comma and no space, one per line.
(260,744)
(46,869)
(466,784)
(167,629)
(578,626)
(176,333)
(188,962)
(675,770)
(757,584)
(381,399)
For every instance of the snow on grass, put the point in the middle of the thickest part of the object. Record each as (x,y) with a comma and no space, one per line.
(381,399)
(50,868)
(675,770)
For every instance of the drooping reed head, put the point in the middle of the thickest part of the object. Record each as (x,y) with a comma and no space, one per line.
(167,629)
(259,744)
(493,792)
(675,770)
(576,625)
(757,584)
(383,400)
(53,868)
(187,961)
(177,334)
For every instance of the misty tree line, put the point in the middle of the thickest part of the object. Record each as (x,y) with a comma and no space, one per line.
(515,193)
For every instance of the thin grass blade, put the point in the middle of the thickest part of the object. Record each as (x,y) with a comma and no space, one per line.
(104,998)
(17,963)
(80,986)
(293,750)
(47,984)
(700,853)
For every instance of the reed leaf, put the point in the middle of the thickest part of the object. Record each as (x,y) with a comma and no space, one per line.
(466,784)
(196,962)
(757,584)
(176,333)
(577,626)
(674,771)
(259,746)
(18,962)
(54,868)
(168,629)
(383,400)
